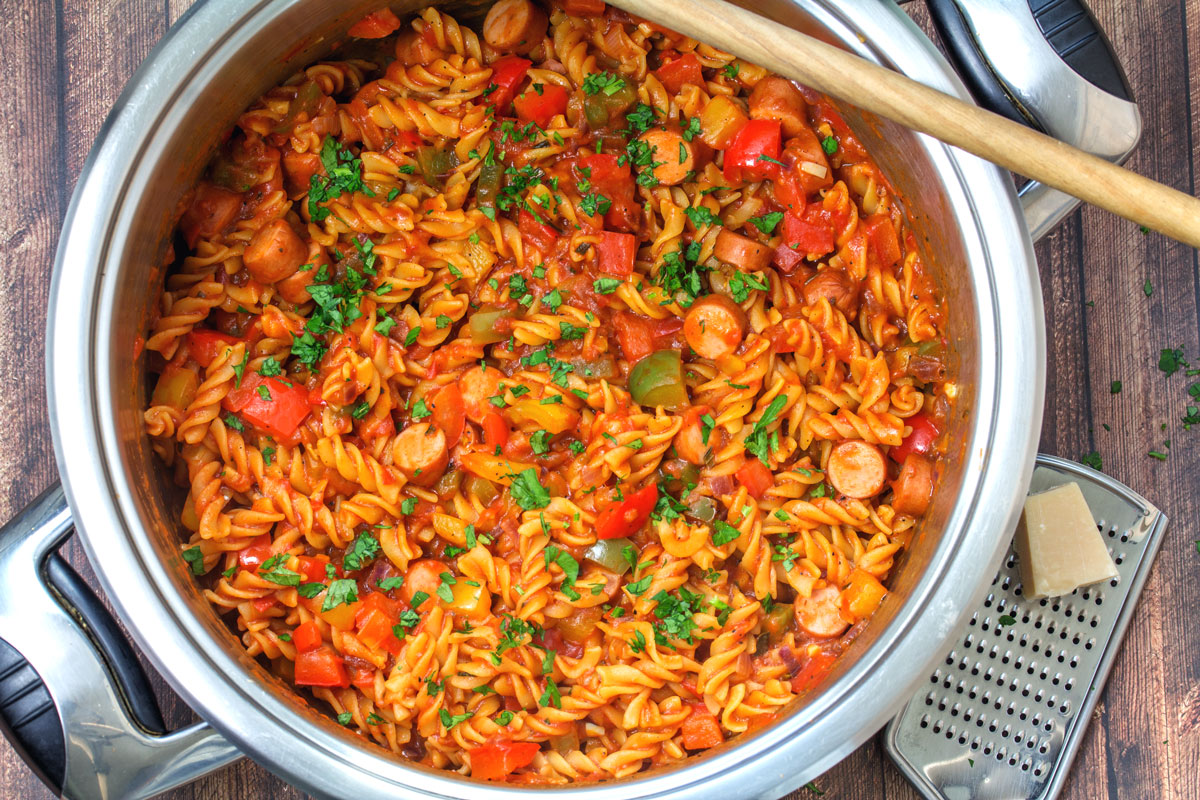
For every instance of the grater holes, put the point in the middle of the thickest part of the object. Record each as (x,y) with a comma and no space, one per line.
(1012,559)
(1118,559)
(1039,770)
(924,723)
(1089,644)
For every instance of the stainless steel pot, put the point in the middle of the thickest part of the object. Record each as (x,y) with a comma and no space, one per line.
(216,60)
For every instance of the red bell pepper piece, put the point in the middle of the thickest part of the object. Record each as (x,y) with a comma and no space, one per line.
(495,430)
(307,637)
(507,74)
(321,667)
(449,413)
(701,729)
(810,232)
(615,253)
(756,477)
(813,672)
(584,8)
(540,107)
(539,234)
(924,434)
(205,345)
(881,233)
(279,412)
(683,70)
(754,152)
(627,516)
(312,567)
(499,758)
(374,620)
(375,25)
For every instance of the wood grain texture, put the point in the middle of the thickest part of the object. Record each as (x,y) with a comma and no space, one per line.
(65,64)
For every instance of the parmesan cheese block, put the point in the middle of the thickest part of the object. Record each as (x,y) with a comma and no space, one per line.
(1058,544)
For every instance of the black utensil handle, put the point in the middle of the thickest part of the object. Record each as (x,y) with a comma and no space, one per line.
(74,699)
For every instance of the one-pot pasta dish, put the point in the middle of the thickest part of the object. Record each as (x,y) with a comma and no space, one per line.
(551,399)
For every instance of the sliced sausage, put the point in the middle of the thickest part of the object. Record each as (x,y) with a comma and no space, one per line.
(913,490)
(274,253)
(837,286)
(742,251)
(778,99)
(714,326)
(477,385)
(515,26)
(857,469)
(690,442)
(420,452)
(299,169)
(674,156)
(820,613)
(213,209)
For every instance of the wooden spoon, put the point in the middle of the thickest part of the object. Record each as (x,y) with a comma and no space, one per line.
(889,94)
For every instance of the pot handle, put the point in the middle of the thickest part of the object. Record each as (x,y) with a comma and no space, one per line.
(74,700)
(1047,65)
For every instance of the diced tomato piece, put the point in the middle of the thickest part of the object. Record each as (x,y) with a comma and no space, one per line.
(627,516)
(640,336)
(615,253)
(499,758)
(787,258)
(756,477)
(213,209)
(495,430)
(375,25)
(539,234)
(604,170)
(321,667)
(449,413)
(255,553)
(540,107)
(307,637)
(754,152)
(584,8)
(884,242)
(701,730)
(683,70)
(811,233)
(205,345)
(279,410)
(924,434)
(813,672)
(507,74)
(313,567)
(861,596)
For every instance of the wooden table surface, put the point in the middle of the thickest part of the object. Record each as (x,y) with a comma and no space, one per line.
(65,63)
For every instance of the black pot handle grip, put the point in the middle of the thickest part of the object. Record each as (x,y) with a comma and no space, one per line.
(74,699)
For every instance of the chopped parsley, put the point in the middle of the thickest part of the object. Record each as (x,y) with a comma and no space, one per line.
(767,222)
(341,592)
(1092,460)
(605,82)
(527,491)
(361,551)
(195,558)
(759,443)
(724,533)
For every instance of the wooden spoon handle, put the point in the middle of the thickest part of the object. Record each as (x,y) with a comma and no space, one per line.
(889,94)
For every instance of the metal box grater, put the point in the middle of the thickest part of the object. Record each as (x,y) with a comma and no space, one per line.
(1002,716)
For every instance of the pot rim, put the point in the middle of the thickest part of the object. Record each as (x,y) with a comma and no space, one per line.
(277,733)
